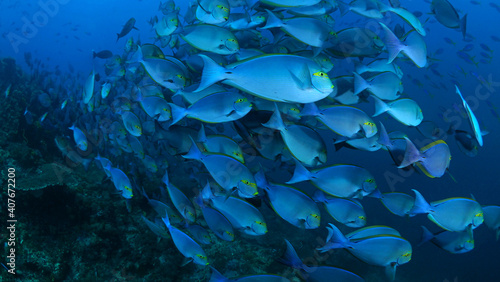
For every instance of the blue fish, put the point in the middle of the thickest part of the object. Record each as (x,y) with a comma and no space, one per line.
(472,118)
(121,181)
(316,273)
(186,245)
(217,222)
(181,202)
(80,138)
(452,214)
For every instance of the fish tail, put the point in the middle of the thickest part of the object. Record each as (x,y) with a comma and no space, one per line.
(212,73)
(260,179)
(199,201)
(194,152)
(272,21)
(383,137)
(137,57)
(290,257)
(420,205)
(206,193)
(392,43)
(426,236)
(217,276)
(202,135)
(165,178)
(360,83)
(299,174)
(178,113)
(319,196)
(340,143)
(310,109)
(275,122)
(380,107)
(412,154)
(343,8)
(335,239)
(316,51)
(166,220)
(118,37)
(463,25)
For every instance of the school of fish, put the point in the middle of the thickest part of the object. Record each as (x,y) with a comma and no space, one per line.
(233,91)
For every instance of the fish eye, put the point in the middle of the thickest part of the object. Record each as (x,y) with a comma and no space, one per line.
(362,217)
(315,215)
(479,214)
(320,74)
(180,76)
(261,223)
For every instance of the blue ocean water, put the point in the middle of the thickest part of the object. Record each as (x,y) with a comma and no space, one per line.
(52,42)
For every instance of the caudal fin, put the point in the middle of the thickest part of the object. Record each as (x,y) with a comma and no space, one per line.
(412,154)
(299,174)
(310,109)
(217,276)
(290,257)
(319,196)
(420,205)
(212,73)
(335,240)
(383,137)
(392,43)
(178,113)
(260,179)
(275,122)
(360,83)
(137,57)
(194,152)
(272,21)
(426,236)
(380,106)
(463,25)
